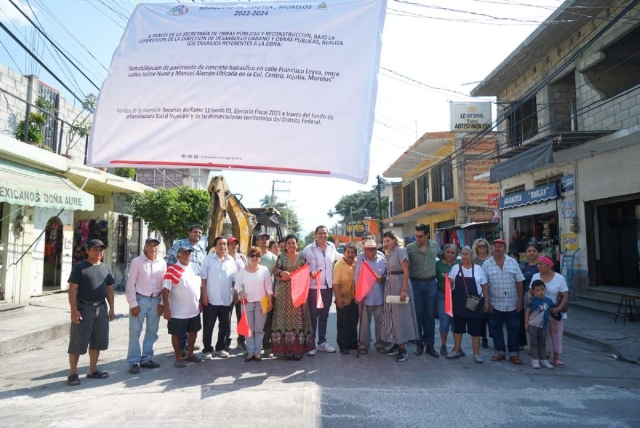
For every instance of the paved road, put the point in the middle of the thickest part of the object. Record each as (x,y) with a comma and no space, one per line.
(329,390)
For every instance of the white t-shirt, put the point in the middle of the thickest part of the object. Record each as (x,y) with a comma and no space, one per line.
(184,291)
(478,274)
(558,284)
(255,285)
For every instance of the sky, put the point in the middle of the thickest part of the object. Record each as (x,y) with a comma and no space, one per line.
(439,43)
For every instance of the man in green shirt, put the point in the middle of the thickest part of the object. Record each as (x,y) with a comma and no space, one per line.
(422,272)
(268,260)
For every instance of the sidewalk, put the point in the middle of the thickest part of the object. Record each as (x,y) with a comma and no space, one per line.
(48,318)
(44,318)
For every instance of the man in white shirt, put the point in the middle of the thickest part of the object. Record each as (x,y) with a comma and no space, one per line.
(218,273)
(321,255)
(181,297)
(143,291)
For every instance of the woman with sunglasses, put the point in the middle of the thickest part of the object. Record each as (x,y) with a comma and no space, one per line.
(253,283)
(482,253)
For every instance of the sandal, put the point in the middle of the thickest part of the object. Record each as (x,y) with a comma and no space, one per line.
(516,360)
(381,351)
(73,380)
(362,351)
(498,357)
(559,364)
(98,375)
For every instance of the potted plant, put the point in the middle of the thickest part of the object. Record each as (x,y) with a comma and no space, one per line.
(33,131)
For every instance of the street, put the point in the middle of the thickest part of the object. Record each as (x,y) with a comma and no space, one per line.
(329,390)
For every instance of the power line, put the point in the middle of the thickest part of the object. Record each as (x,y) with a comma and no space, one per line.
(35,57)
(55,46)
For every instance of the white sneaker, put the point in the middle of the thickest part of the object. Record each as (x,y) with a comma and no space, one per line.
(535,364)
(207,356)
(325,347)
(222,354)
(311,353)
(546,364)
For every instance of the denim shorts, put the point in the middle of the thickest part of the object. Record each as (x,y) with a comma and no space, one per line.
(93,330)
(445,320)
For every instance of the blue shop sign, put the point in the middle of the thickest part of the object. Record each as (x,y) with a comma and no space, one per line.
(528,197)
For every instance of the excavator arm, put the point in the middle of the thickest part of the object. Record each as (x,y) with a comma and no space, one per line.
(224,203)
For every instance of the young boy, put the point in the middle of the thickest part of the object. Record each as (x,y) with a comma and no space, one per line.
(536,322)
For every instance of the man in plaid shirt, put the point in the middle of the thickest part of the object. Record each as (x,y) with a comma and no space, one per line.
(504,302)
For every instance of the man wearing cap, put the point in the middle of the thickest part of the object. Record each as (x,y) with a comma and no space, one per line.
(198,254)
(267,260)
(373,303)
(504,301)
(181,297)
(422,265)
(90,283)
(218,273)
(144,293)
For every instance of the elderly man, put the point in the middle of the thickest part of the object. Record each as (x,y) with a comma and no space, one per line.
(218,273)
(181,297)
(345,287)
(504,301)
(422,265)
(374,300)
(90,283)
(144,293)
(267,260)
(321,255)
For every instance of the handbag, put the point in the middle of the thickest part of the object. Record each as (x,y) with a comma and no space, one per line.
(472,301)
(559,299)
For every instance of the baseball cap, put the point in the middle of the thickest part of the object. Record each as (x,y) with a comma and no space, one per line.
(151,239)
(231,239)
(499,241)
(181,249)
(95,243)
(262,235)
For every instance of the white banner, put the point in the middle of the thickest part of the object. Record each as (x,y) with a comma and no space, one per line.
(272,86)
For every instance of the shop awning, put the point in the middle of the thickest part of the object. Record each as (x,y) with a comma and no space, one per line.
(23,185)
(523,162)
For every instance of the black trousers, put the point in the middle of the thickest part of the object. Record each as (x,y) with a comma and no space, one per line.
(266,340)
(348,326)
(238,308)
(211,314)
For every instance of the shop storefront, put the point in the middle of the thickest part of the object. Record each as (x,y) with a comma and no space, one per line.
(465,234)
(534,215)
(37,215)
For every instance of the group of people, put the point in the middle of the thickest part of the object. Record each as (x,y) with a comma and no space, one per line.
(406,291)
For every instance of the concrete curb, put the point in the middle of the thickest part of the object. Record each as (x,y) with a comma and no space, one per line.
(607,347)
(34,338)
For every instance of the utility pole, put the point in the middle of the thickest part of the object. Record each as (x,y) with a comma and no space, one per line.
(274,190)
(380,206)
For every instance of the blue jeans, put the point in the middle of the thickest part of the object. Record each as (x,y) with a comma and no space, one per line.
(425,297)
(149,311)
(512,319)
(445,320)
(256,320)
(319,317)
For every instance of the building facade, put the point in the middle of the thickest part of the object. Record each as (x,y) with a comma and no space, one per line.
(438,188)
(569,134)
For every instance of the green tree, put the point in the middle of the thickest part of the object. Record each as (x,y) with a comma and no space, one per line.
(288,216)
(171,211)
(360,204)
(309,238)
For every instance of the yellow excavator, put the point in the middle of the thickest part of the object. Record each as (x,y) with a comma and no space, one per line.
(242,222)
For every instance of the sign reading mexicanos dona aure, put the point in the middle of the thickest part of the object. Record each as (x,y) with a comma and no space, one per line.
(470,117)
(53,198)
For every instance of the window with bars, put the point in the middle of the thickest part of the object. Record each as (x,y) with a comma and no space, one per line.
(50,131)
(442,181)
(522,122)
(409,196)
(423,189)
(512,190)
(548,180)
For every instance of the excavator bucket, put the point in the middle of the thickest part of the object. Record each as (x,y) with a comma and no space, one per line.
(224,203)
